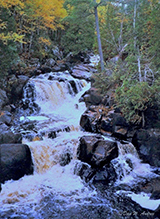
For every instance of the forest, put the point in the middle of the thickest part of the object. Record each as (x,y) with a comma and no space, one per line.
(128,44)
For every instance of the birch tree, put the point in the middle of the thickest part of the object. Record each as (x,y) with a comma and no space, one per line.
(98,35)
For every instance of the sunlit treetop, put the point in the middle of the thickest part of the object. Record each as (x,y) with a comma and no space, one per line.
(10,3)
(48,12)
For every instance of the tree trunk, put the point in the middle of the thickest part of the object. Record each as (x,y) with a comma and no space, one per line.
(143,120)
(31,39)
(98,37)
(134,23)
(139,68)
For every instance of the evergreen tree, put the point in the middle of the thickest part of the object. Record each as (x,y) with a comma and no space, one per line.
(8,47)
(79,27)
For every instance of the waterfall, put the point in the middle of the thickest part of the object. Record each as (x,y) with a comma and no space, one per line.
(59,107)
(51,104)
(128,166)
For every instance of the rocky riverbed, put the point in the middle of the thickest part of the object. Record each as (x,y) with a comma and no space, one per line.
(99,160)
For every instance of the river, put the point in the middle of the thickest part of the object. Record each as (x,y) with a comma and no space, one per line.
(54,190)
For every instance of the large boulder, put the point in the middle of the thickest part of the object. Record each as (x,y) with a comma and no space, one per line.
(96,151)
(16,161)
(147,143)
(88,122)
(15,86)
(81,72)
(105,175)
(104,120)
(91,97)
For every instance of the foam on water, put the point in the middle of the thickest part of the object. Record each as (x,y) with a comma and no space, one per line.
(58,108)
(34,118)
(129,167)
(49,177)
(143,199)
(56,102)
(30,190)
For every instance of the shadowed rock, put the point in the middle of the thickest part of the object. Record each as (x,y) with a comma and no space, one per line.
(96,151)
(16,161)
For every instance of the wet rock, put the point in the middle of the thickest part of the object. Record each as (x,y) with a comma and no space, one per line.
(151,186)
(3,99)
(91,97)
(119,126)
(120,132)
(80,57)
(155,195)
(105,175)
(16,161)
(58,67)
(28,125)
(147,143)
(74,86)
(53,133)
(87,122)
(106,126)
(65,157)
(34,62)
(9,108)
(28,102)
(96,151)
(3,127)
(9,137)
(85,171)
(45,69)
(81,74)
(50,62)
(15,86)
(57,53)
(102,119)
(5,117)
(157,213)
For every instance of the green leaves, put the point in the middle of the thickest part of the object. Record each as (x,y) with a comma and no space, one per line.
(134,99)
(79,34)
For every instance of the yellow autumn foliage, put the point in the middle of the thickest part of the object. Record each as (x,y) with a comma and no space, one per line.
(46,13)
(31,15)
(44,41)
(10,3)
(11,36)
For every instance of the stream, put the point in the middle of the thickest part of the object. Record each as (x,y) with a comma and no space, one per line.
(54,190)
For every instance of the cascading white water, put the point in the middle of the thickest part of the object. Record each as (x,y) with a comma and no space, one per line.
(59,107)
(130,171)
(129,167)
